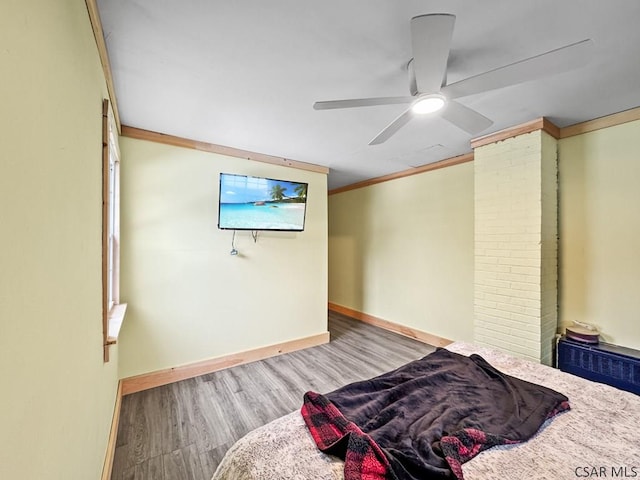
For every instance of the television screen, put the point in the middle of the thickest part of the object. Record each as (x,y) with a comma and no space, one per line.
(256,203)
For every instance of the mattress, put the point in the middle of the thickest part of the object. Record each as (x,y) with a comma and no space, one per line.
(598,438)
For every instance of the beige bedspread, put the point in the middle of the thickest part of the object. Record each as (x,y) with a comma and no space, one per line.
(598,438)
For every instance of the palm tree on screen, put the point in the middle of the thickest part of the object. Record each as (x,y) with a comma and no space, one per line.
(277,192)
(301,190)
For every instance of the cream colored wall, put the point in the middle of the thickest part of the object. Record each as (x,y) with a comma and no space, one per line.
(403,251)
(57,394)
(599,175)
(189,299)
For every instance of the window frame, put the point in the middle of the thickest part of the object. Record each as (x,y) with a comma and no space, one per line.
(112,310)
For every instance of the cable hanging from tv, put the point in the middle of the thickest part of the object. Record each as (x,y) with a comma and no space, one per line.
(234,250)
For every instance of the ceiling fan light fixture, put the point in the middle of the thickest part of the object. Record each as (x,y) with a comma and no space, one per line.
(428,104)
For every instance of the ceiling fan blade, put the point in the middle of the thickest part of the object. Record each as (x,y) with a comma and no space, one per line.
(393,127)
(361,102)
(465,118)
(560,60)
(430,42)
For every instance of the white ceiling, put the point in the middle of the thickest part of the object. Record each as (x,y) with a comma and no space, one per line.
(245,73)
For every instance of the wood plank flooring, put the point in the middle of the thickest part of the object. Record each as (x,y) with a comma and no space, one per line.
(181,431)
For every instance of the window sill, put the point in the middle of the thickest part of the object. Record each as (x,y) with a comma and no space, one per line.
(115,319)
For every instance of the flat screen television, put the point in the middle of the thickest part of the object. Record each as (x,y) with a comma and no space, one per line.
(257,203)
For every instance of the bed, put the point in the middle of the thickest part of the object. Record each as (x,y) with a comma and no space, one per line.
(599,437)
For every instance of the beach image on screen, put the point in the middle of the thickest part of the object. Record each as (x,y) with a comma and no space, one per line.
(256,203)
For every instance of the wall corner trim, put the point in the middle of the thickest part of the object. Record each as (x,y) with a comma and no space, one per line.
(113,435)
(158,378)
(140,134)
(419,335)
(98,34)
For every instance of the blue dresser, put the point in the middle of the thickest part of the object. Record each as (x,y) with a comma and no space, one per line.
(603,362)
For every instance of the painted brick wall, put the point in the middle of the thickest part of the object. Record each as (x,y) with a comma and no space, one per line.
(516,245)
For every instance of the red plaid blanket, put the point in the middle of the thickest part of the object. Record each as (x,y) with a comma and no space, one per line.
(426,418)
(336,435)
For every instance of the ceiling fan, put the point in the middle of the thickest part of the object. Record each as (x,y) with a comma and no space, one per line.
(431,41)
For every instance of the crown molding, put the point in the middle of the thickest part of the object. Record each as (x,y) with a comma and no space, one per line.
(449,162)
(141,134)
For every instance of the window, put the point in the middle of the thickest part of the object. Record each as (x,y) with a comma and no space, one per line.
(112,310)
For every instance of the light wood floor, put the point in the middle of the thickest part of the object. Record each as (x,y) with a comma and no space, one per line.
(182,431)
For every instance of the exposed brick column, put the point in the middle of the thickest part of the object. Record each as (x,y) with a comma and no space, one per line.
(515,301)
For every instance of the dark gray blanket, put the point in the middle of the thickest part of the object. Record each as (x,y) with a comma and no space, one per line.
(428,417)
